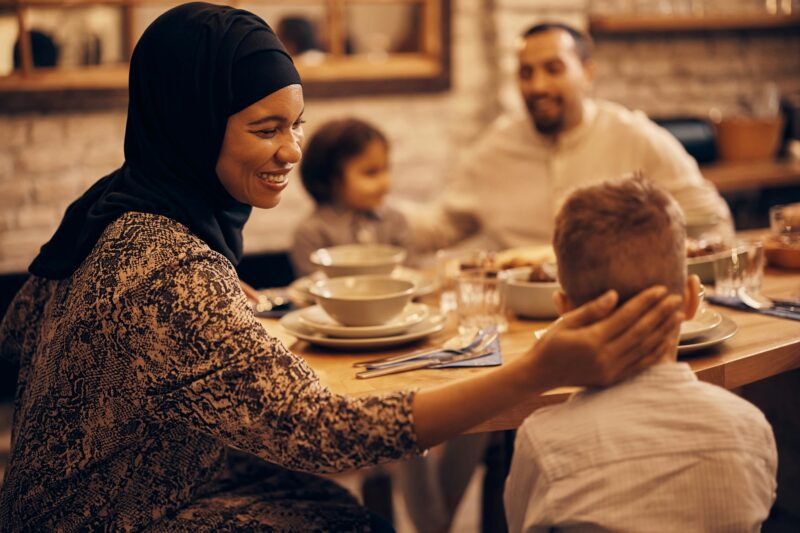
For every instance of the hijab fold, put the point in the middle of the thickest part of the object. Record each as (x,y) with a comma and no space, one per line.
(193,67)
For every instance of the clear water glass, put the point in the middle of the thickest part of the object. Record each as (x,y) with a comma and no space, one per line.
(480,300)
(741,266)
(784,222)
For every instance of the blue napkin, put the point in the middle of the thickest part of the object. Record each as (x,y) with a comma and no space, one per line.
(734,302)
(493,359)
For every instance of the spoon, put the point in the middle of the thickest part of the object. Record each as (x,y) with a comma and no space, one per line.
(464,341)
(759,301)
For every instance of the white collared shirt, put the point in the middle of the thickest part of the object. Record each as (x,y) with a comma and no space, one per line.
(660,452)
(511,185)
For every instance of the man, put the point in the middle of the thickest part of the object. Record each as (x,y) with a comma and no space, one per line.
(510,186)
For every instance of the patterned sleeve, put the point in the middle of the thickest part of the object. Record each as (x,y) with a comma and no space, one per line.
(222,374)
(20,325)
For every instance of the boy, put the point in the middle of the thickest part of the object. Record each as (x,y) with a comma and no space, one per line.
(661,451)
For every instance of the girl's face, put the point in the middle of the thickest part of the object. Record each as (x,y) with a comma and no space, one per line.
(261,146)
(365,178)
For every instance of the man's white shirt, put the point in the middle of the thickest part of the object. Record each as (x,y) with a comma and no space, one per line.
(512,184)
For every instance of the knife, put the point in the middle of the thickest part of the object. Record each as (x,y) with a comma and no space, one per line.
(417,365)
(480,344)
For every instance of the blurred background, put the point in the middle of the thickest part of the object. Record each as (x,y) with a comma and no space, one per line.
(431,73)
(722,75)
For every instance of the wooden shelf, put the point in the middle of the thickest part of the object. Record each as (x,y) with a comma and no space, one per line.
(744,175)
(63,79)
(338,75)
(608,24)
(398,66)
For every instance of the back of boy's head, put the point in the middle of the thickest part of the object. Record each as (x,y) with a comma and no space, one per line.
(328,150)
(625,235)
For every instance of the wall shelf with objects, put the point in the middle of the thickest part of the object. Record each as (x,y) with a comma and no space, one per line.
(610,24)
(341,47)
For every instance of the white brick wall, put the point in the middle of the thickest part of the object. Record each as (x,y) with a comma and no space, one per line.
(46,160)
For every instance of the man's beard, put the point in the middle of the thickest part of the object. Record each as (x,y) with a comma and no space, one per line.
(544,125)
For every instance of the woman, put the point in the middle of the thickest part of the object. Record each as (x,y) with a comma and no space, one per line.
(142,365)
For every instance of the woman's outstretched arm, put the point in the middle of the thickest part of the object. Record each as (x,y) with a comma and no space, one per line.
(588,347)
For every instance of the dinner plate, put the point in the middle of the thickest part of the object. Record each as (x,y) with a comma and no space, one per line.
(430,325)
(704,321)
(424,283)
(726,329)
(317,319)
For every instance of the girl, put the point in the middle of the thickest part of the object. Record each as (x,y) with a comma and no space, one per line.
(345,169)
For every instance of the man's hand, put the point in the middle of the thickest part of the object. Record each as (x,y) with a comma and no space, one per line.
(590,347)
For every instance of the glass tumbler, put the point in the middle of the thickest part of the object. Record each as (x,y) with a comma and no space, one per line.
(739,267)
(480,300)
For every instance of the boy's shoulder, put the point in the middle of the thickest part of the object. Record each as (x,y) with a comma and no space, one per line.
(647,415)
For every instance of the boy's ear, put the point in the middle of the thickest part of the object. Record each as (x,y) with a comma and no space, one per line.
(691,297)
(562,302)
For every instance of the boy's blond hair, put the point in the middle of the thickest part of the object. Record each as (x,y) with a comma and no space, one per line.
(625,235)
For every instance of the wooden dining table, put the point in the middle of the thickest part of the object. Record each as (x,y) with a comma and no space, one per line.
(764,346)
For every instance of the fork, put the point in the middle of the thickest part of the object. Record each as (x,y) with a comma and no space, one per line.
(386,361)
(479,351)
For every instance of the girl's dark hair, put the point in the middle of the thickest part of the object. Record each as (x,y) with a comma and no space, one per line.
(327,151)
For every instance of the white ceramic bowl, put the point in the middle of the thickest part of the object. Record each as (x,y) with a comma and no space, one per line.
(527,298)
(357,259)
(363,300)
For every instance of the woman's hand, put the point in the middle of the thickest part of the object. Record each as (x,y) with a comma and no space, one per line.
(590,347)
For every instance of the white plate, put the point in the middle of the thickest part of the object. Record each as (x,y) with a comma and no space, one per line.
(704,321)
(315,318)
(292,324)
(424,283)
(726,329)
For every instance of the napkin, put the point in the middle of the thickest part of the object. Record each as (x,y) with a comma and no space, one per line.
(732,301)
(493,359)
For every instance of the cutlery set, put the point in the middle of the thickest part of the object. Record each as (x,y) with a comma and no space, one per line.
(478,345)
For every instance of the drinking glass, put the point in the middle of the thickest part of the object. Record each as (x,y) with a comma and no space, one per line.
(784,221)
(480,300)
(739,267)
(449,264)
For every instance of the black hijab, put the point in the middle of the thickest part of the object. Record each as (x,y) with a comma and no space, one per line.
(193,67)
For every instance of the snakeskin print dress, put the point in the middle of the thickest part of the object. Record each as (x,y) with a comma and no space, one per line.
(150,398)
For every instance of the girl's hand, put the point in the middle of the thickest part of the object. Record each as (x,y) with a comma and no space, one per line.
(590,347)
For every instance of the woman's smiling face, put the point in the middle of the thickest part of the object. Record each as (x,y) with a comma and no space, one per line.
(261,146)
